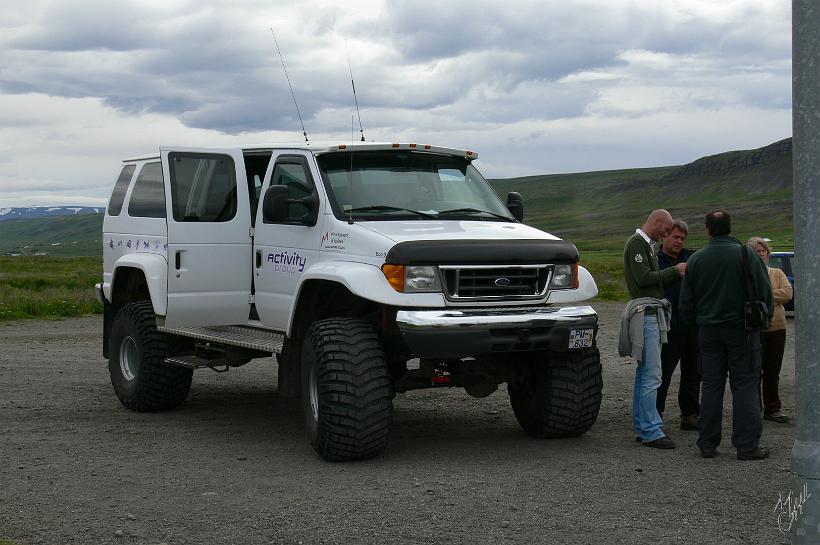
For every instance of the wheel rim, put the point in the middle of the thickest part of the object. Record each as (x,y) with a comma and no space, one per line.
(313,389)
(128,359)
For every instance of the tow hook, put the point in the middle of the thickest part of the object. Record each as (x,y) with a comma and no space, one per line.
(441,378)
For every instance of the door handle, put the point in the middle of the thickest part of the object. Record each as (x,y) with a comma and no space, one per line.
(178,260)
(258,258)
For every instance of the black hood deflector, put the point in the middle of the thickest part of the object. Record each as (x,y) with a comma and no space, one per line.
(482,252)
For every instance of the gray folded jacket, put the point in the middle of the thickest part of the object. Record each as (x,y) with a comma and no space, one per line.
(630,340)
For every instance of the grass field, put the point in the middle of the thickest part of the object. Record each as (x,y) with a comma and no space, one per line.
(607,269)
(48,287)
(596,211)
(61,287)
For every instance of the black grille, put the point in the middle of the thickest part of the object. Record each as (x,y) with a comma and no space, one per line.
(503,282)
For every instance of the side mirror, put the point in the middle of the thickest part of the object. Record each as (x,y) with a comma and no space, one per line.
(515,205)
(277,203)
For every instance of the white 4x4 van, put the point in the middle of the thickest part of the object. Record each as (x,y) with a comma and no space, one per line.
(367,269)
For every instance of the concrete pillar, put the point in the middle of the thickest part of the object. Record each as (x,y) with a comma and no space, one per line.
(805,529)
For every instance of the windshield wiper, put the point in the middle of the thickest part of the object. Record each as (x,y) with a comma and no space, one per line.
(385,208)
(473,211)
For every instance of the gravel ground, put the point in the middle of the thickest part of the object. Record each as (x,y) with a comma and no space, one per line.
(233,465)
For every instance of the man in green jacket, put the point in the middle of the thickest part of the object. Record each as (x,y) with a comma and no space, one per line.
(645,279)
(712,297)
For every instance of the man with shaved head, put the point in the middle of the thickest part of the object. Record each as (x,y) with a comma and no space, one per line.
(646,283)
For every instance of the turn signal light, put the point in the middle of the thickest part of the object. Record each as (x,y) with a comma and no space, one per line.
(394,275)
(575,276)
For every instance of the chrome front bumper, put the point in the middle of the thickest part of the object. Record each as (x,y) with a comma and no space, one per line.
(471,331)
(98,290)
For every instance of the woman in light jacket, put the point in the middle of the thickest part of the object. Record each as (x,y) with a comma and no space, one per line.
(773,340)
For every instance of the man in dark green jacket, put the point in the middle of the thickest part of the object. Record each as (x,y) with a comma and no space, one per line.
(644,279)
(712,297)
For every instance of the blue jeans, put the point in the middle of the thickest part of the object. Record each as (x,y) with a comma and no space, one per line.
(645,417)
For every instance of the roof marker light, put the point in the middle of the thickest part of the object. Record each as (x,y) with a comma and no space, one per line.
(342,146)
(427,146)
(469,153)
(395,145)
(412,145)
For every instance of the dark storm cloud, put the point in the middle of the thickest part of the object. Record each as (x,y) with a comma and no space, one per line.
(551,40)
(216,67)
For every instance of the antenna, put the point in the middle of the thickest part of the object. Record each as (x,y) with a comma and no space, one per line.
(304,133)
(356,100)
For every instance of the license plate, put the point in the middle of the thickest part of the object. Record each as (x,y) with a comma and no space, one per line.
(580,338)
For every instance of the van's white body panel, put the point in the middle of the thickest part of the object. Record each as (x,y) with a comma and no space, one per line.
(401,231)
(155,269)
(203,274)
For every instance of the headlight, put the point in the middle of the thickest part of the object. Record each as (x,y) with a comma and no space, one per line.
(413,279)
(421,279)
(564,277)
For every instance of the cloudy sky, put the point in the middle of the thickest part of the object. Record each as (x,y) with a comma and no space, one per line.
(533,86)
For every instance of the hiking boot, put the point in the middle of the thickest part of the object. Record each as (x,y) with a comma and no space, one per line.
(689,422)
(777,416)
(755,454)
(661,443)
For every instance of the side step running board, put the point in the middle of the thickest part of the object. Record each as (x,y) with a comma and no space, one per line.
(233,335)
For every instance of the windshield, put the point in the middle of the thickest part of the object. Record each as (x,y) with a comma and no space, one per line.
(391,185)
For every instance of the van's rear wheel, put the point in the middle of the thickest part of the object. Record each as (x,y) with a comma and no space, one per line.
(561,396)
(347,396)
(136,354)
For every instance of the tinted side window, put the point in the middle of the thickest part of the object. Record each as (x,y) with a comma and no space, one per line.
(148,195)
(294,174)
(118,195)
(256,164)
(203,187)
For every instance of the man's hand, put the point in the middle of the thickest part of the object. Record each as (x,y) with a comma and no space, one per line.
(681,269)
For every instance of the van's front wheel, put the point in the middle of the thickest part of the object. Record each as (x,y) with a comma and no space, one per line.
(347,396)
(560,395)
(136,354)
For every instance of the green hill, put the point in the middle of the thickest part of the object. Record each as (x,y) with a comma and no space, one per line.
(75,235)
(595,210)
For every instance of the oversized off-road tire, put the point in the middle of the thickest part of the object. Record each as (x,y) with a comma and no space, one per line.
(347,396)
(136,354)
(562,395)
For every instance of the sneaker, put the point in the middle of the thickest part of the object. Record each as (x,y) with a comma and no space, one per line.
(708,452)
(661,443)
(755,454)
(689,422)
(777,416)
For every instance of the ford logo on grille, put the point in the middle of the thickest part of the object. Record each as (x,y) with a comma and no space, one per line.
(502,282)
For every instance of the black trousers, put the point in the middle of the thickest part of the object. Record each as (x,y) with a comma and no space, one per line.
(682,345)
(774,344)
(736,352)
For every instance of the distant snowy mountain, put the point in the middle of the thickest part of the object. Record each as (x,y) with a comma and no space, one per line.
(47,211)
